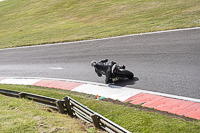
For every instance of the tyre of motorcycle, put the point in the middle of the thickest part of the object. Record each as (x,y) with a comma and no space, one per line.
(125,74)
(115,79)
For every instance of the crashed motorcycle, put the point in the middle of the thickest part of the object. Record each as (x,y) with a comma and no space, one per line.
(112,71)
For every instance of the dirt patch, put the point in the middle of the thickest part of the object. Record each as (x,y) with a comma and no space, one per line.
(88,126)
(58,129)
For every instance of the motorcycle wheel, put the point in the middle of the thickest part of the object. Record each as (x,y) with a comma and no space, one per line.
(126,73)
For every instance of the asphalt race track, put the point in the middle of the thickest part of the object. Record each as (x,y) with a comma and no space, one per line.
(166,62)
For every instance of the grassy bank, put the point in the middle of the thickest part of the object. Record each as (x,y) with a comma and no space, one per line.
(21,115)
(131,118)
(31,22)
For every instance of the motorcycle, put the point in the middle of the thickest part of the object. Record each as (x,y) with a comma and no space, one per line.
(112,71)
(120,73)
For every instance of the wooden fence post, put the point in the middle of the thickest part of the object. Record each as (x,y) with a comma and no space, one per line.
(96,120)
(68,106)
(60,106)
(21,95)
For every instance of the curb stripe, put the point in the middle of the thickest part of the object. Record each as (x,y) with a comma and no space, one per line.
(171,105)
(190,108)
(195,113)
(179,110)
(19,81)
(64,85)
(115,93)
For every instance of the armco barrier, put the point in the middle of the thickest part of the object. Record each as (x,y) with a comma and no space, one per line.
(71,107)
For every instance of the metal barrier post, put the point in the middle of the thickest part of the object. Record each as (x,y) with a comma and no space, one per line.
(96,120)
(68,106)
(21,95)
(60,106)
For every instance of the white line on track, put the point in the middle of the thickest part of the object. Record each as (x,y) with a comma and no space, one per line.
(56,68)
(148,33)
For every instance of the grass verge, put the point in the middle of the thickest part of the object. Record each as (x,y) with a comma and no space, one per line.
(22,115)
(31,22)
(132,119)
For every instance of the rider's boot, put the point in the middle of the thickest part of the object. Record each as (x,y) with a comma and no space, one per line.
(108,81)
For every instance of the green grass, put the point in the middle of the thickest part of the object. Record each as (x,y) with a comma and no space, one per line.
(132,119)
(32,22)
(21,115)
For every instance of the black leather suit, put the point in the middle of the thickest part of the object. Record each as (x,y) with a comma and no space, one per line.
(104,68)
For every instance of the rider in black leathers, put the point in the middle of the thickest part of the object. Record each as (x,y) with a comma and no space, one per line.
(104,68)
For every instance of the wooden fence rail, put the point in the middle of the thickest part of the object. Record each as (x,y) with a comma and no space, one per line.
(70,106)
